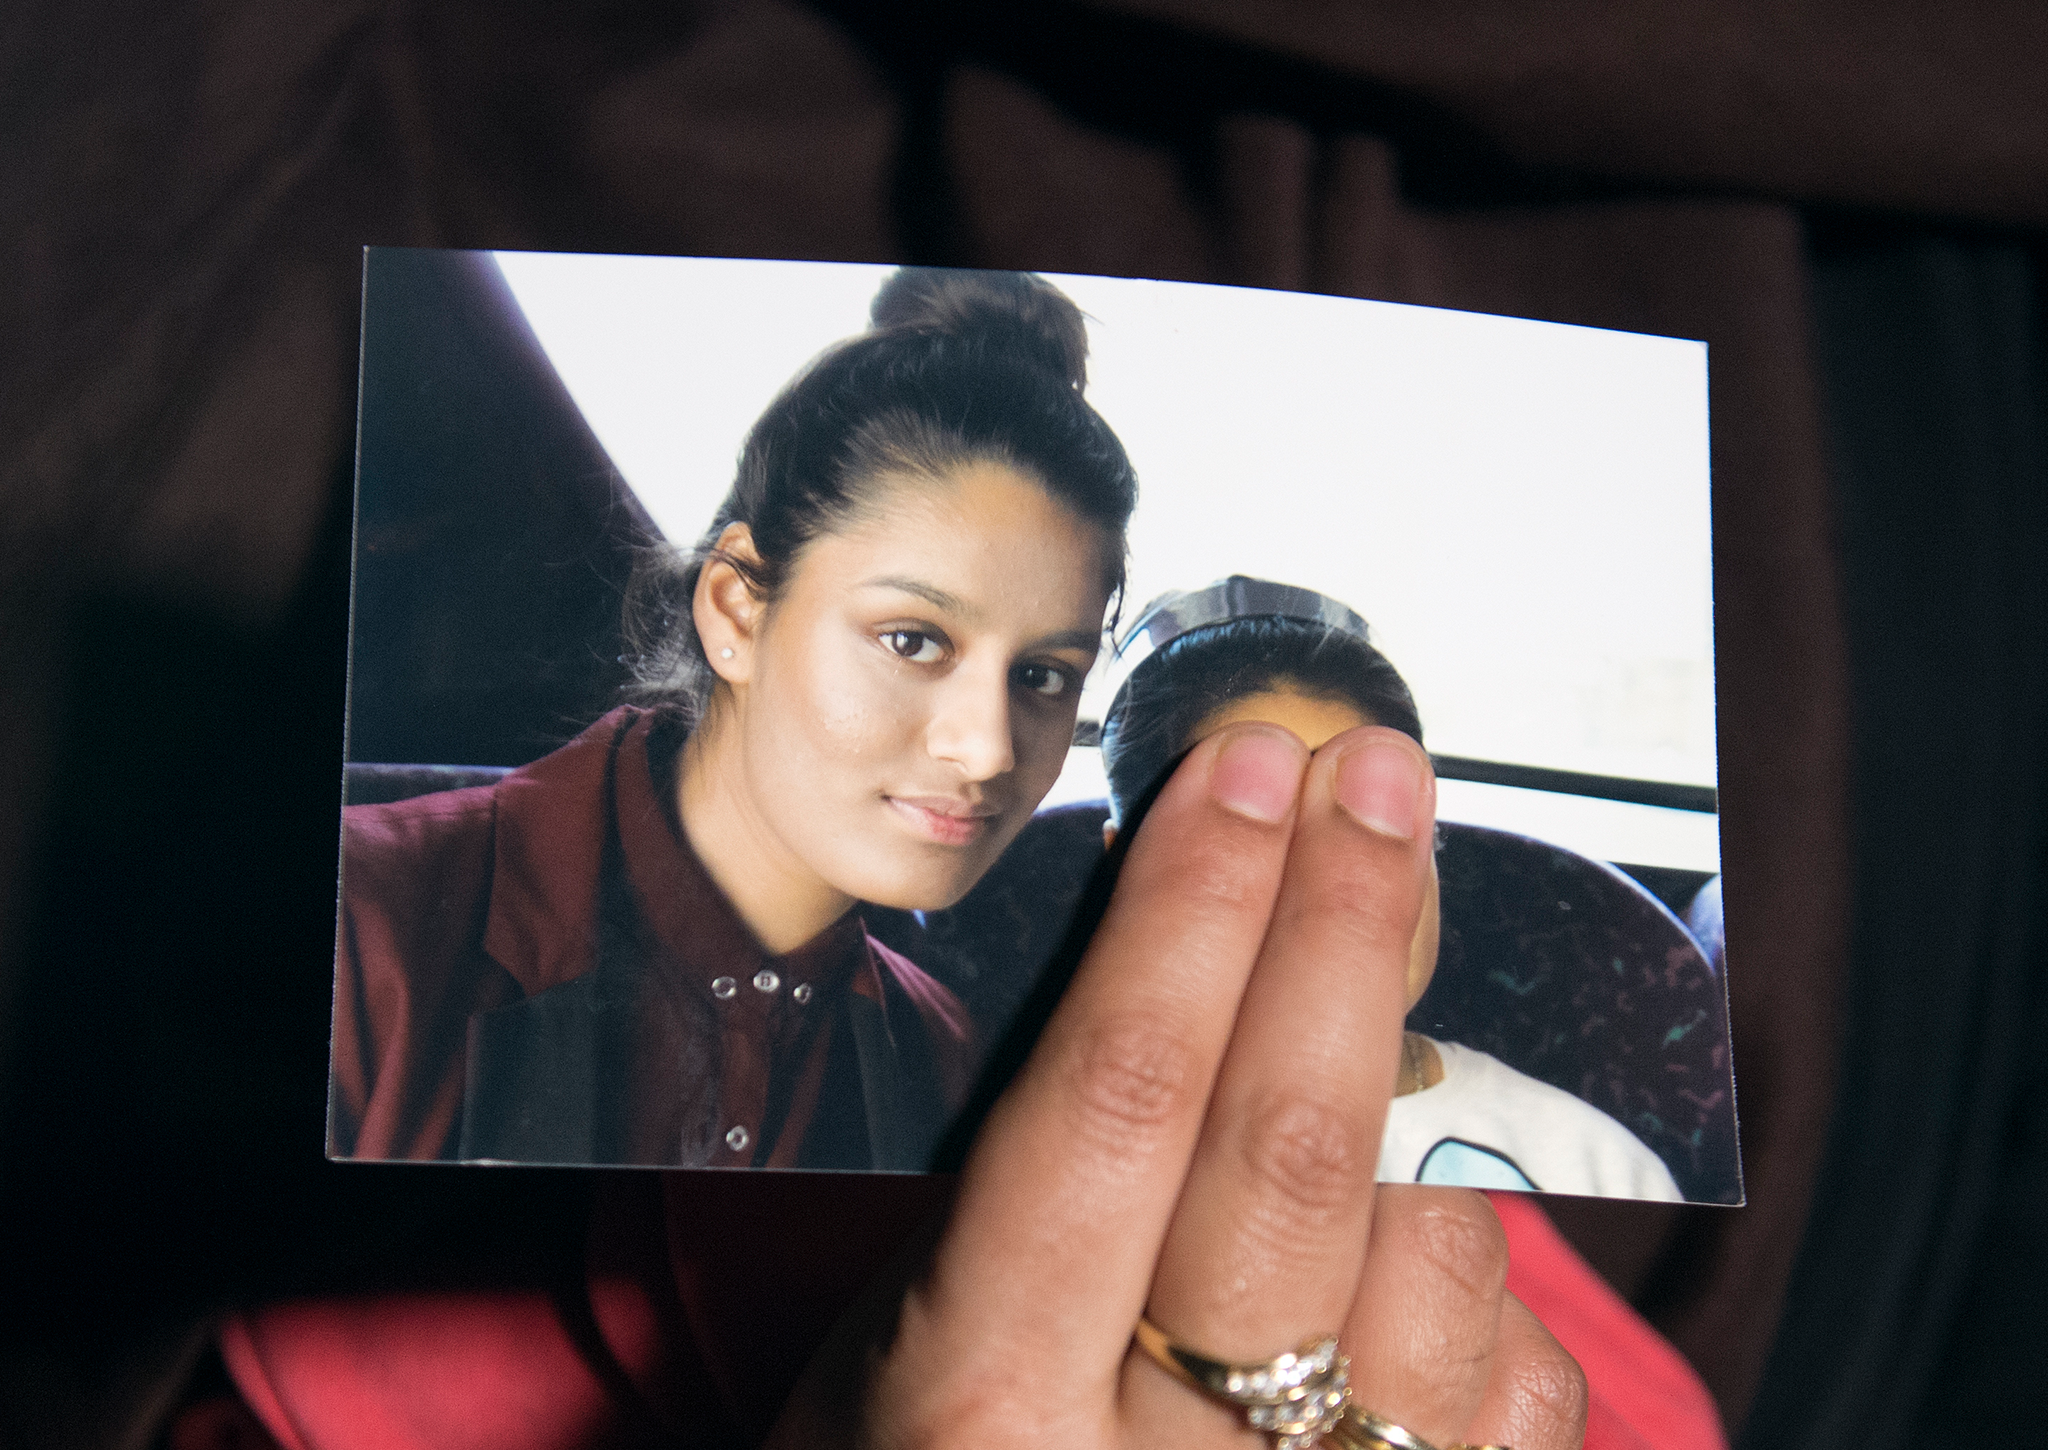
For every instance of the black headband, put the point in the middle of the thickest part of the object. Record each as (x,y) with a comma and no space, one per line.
(1183,611)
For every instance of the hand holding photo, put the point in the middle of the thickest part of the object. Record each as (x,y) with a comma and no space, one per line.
(859,748)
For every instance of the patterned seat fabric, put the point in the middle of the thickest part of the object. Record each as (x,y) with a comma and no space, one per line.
(1568,970)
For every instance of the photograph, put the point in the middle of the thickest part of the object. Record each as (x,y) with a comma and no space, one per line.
(757,670)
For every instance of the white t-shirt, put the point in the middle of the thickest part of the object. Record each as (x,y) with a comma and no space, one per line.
(1487,1126)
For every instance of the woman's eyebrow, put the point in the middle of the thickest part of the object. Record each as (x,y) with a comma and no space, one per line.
(1085,639)
(930,593)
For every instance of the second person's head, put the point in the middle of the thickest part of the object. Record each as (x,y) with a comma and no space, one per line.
(1248,649)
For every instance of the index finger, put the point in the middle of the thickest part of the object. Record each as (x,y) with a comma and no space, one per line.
(1270,1235)
(1066,1197)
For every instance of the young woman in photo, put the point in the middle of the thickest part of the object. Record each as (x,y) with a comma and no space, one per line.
(1248,649)
(644,948)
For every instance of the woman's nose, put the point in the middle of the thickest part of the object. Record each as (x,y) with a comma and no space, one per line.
(971,728)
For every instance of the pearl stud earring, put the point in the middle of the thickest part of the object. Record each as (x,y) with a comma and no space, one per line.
(726,653)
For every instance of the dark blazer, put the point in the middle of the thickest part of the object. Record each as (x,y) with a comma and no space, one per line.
(541,971)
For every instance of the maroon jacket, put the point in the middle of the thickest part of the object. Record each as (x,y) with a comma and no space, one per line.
(541,971)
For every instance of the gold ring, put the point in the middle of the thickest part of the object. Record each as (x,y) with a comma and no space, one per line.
(1361,1429)
(1297,1397)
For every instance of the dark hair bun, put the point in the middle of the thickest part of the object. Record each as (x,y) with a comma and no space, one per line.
(1014,310)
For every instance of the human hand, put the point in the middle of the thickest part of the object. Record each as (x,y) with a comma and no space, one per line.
(1195,1139)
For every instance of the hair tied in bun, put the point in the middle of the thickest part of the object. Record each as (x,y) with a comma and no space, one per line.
(1017,311)
(956,368)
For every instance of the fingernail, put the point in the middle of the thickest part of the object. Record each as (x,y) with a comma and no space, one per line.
(1258,773)
(1381,785)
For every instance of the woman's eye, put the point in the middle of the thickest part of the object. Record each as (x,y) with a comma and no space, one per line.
(1042,679)
(913,645)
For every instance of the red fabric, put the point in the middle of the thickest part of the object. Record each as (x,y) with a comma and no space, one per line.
(1643,1393)
(446,1371)
(462,901)
(703,1347)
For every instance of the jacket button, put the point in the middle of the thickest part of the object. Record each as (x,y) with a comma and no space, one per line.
(802,992)
(766,981)
(737,1138)
(723,987)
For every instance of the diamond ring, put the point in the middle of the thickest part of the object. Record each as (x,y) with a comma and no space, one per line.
(1297,1397)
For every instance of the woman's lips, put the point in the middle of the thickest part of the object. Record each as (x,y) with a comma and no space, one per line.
(947,822)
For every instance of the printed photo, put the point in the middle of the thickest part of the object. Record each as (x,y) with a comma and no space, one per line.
(754,667)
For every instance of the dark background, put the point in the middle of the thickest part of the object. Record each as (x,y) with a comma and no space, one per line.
(494,540)
(1847,202)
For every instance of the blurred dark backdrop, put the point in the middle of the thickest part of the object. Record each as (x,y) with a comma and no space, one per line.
(1848,202)
(494,539)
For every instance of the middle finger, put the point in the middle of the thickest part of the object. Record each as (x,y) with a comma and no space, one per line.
(1269,1237)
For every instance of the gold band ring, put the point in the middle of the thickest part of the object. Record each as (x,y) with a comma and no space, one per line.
(1361,1429)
